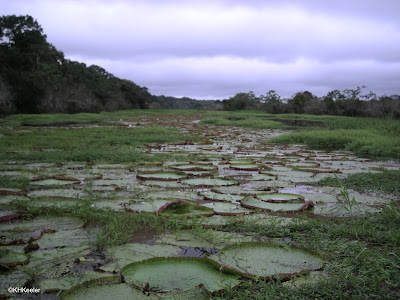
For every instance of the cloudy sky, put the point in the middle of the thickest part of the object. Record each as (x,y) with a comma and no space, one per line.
(214,49)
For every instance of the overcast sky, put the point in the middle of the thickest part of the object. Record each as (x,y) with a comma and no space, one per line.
(214,49)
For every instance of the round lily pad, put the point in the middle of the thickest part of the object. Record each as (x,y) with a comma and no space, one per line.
(248,167)
(268,260)
(123,291)
(186,209)
(221,197)
(11,259)
(193,167)
(165,176)
(179,273)
(228,209)
(210,182)
(46,182)
(280,197)
(254,203)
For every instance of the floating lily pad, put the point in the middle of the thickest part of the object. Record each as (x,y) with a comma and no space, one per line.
(254,203)
(179,273)
(264,177)
(11,259)
(193,167)
(124,291)
(221,197)
(280,198)
(228,209)
(67,282)
(248,167)
(203,182)
(58,193)
(46,182)
(186,209)
(267,260)
(128,253)
(166,176)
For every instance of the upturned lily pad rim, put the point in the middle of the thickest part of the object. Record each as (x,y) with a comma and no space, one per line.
(217,266)
(306,205)
(296,198)
(145,176)
(13,264)
(227,179)
(274,245)
(210,212)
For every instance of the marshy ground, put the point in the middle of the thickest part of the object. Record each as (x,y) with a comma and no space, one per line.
(222,205)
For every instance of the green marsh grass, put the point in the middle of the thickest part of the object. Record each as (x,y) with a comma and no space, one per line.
(115,144)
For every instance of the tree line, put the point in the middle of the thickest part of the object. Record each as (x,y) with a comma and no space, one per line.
(348,102)
(35,77)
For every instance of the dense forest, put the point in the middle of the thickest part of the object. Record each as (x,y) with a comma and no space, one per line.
(35,77)
(348,102)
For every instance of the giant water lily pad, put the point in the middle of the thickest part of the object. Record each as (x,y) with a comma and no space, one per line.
(185,209)
(193,167)
(166,274)
(124,291)
(69,281)
(165,176)
(254,203)
(266,259)
(247,167)
(11,259)
(46,182)
(128,253)
(58,193)
(221,197)
(210,182)
(280,197)
(228,209)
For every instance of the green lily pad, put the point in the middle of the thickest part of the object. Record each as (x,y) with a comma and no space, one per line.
(58,193)
(221,197)
(185,209)
(250,202)
(247,167)
(69,281)
(263,177)
(280,198)
(128,253)
(267,260)
(228,209)
(124,291)
(179,273)
(193,167)
(204,182)
(11,259)
(46,182)
(166,176)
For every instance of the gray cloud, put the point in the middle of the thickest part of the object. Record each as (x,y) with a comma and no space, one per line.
(211,49)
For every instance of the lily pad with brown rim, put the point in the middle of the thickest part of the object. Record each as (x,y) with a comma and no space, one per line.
(180,273)
(253,203)
(266,260)
(280,197)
